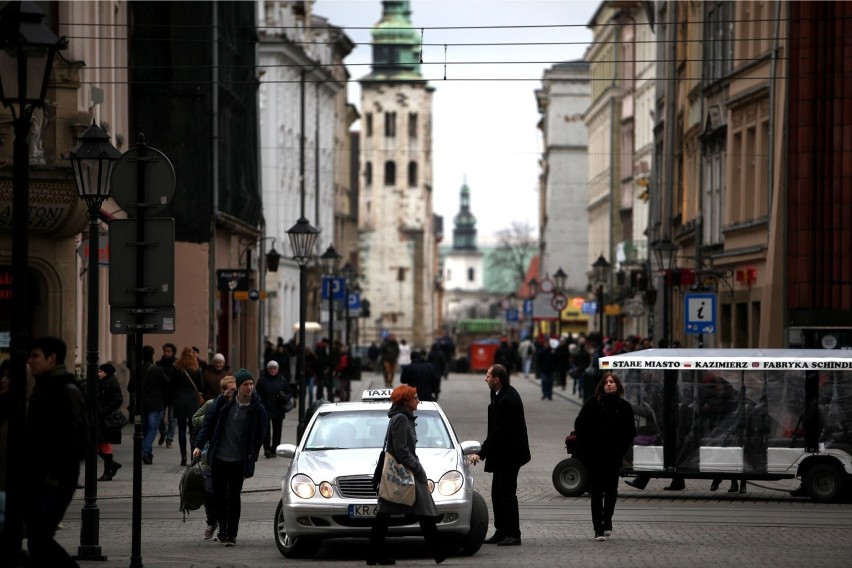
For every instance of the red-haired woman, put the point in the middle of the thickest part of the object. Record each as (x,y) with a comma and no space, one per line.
(401,443)
(185,384)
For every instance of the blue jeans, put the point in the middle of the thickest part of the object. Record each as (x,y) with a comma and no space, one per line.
(150,426)
(527,365)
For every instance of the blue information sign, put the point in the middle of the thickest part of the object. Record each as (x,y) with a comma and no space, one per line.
(700,313)
(512,315)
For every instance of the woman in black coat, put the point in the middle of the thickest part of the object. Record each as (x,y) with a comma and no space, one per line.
(605,430)
(110,400)
(268,386)
(185,386)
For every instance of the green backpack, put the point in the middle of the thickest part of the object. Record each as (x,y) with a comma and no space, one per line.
(192,493)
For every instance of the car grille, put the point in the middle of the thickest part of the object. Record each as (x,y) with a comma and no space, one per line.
(356,487)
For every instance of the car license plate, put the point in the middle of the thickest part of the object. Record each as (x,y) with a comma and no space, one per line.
(362,511)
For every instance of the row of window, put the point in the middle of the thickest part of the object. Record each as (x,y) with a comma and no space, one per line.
(390,124)
(390,173)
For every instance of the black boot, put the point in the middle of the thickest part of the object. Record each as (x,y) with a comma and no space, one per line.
(108,468)
(183,459)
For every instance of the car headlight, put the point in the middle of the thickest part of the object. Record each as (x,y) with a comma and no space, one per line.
(326,490)
(450,483)
(303,486)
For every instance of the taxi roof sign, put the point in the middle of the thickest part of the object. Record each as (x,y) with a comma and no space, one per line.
(376,395)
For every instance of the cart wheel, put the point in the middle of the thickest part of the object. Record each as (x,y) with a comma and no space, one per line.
(824,483)
(570,477)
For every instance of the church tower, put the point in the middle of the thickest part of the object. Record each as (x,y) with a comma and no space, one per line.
(396,233)
(463,266)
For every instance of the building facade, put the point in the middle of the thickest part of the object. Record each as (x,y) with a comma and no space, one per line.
(563,222)
(304,149)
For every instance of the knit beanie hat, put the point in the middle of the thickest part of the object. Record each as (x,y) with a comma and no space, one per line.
(107,368)
(243,375)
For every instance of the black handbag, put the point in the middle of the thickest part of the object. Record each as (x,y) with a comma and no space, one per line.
(116,420)
(380,464)
(285,400)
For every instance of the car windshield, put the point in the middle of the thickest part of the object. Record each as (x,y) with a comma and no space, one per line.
(367,428)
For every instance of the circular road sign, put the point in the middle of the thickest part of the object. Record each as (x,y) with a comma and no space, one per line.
(159,180)
(558,302)
(253,294)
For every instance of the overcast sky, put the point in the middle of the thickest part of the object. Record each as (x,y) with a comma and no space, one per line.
(484,130)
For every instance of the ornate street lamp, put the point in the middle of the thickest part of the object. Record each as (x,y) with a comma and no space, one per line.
(27,49)
(665,251)
(273,258)
(303,237)
(92,158)
(600,269)
(560,278)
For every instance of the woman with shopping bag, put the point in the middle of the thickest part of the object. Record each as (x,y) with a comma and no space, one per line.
(401,444)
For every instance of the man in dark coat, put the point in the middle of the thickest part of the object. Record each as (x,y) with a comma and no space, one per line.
(506,448)
(420,374)
(57,415)
(154,397)
(235,428)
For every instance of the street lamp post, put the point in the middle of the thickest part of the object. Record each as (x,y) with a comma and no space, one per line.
(348,272)
(302,237)
(665,251)
(561,277)
(600,268)
(533,289)
(26,62)
(329,259)
(93,158)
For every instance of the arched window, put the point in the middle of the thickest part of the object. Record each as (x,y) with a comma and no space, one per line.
(390,173)
(368,174)
(412,174)
(471,275)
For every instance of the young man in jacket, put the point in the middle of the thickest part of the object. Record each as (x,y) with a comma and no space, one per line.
(57,413)
(235,429)
(506,448)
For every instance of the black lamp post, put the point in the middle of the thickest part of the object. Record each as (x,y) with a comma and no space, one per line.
(26,61)
(303,237)
(329,260)
(665,249)
(93,158)
(348,272)
(560,276)
(600,269)
(533,289)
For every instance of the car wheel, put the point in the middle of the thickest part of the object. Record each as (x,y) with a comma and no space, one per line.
(824,483)
(570,477)
(470,543)
(289,546)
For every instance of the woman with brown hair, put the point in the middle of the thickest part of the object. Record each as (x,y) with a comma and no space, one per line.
(185,387)
(605,430)
(401,444)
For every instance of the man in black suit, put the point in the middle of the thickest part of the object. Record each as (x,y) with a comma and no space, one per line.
(506,448)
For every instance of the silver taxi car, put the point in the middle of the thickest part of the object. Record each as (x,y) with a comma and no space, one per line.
(327,491)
